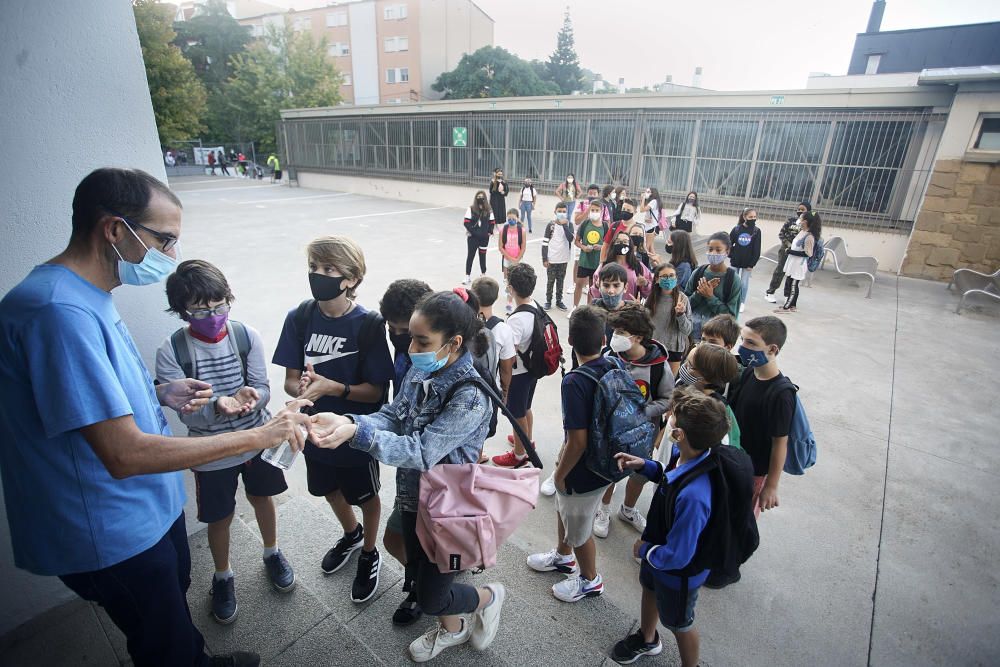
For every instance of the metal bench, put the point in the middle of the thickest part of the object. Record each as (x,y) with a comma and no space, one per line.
(973,283)
(847,265)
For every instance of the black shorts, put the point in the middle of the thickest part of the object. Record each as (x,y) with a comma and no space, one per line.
(521,394)
(676,356)
(359,484)
(676,612)
(581,272)
(215,490)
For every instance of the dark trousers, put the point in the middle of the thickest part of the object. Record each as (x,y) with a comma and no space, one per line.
(791,292)
(436,592)
(779,271)
(556,275)
(479,245)
(146,597)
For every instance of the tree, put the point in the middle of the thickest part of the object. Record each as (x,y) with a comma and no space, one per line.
(178,96)
(286,70)
(564,64)
(210,39)
(492,72)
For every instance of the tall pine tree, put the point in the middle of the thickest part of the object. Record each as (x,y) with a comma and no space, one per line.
(564,64)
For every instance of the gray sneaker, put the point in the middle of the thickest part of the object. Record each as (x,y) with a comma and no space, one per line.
(280,572)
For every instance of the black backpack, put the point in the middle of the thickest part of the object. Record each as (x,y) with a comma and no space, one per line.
(730,537)
(487,364)
(372,326)
(185,358)
(728,281)
(544,354)
(520,233)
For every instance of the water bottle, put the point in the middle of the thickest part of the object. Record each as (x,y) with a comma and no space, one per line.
(282,456)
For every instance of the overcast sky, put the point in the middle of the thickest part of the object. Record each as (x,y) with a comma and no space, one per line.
(767,44)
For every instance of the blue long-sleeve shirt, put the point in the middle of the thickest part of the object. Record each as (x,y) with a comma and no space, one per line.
(691,512)
(415,431)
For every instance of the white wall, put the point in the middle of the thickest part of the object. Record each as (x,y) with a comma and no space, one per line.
(75,98)
(364,52)
(971,100)
(888,248)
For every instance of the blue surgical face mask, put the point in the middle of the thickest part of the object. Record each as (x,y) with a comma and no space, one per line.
(560,215)
(752,358)
(154,267)
(668,283)
(511,221)
(428,361)
(612,300)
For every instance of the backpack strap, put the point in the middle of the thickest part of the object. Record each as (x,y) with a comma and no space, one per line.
(527,308)
(241,338)
(301,319)
(728,284)
(491,392)
(182,352)
(493,322)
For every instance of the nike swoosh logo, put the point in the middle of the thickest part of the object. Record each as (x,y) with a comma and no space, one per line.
(323,358)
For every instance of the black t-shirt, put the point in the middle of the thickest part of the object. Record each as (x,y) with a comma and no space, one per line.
(762,412)
(578,411)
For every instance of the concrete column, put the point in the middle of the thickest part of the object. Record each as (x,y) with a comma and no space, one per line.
(76,99)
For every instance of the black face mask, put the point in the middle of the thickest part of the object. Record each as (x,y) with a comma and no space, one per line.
(619,249)
(751,223)
(627,215)
(669,249)
(637,240)
(400,342)
(325,288)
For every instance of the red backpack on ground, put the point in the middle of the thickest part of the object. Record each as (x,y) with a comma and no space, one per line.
(544,355)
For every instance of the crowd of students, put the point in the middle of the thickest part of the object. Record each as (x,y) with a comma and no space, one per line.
(671,324)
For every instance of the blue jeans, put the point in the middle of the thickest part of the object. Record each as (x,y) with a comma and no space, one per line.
(146,597)
(744,283)
(526,214)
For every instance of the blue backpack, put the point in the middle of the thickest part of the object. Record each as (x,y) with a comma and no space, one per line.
(801,442)
(814,262)
(619,423)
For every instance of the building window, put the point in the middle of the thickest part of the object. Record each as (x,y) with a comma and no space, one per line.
(871,67)
(256,31)
(395,12)
(302,23)
(393,44)
(348,80)
(339,49)
(988,136)
(404,74)
(335,19)
(397,75)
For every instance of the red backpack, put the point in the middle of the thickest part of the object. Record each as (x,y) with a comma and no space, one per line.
(544,355)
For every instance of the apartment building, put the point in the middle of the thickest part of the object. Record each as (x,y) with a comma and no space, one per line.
(389,51)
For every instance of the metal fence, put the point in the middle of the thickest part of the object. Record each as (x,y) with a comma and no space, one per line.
(862,168)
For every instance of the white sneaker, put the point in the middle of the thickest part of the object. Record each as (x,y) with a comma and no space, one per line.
(633,518)
(487,619)
(467,280)
(602,521)
(574,589)
(770,298)
(548,487)
(437,639)
(742,307)
(553,561)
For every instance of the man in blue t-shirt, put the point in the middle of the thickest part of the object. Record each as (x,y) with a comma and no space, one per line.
(88,461)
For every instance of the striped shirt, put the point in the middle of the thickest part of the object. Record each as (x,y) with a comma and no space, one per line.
(219,364)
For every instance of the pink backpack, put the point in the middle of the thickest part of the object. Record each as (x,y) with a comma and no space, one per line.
(466,510)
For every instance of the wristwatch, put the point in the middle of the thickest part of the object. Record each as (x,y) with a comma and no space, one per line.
(347,391)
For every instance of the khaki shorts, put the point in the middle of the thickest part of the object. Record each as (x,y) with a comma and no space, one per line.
(577,511)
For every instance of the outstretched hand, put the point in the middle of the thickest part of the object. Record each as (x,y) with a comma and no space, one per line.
(330,430)
(185,396)
(629,462)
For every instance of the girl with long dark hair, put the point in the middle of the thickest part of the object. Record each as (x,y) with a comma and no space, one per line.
(479,224)
(688,214)
(796,266)
(498,191)
(670,310)
(623,252)
(681,251)
(569,190)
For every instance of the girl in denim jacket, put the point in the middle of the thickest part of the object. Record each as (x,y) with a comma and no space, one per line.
(415,432)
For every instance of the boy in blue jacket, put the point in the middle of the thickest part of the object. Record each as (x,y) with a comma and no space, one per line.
(673,528)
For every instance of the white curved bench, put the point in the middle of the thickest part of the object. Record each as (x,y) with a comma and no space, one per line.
(974,283)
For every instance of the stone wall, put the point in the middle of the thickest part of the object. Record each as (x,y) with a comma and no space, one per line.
(959,223)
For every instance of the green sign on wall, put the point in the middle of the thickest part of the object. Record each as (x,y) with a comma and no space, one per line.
(459,137)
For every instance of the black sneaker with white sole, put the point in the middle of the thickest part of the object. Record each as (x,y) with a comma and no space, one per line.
(634,647)
(224,607)
(366,581)
(341,552)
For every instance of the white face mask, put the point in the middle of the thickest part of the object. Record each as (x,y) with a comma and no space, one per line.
(620,343)
(595,215)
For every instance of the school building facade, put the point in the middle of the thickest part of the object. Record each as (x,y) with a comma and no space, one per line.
(905,167)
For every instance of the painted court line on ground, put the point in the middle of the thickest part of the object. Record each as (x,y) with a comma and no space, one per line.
(238,187)
(268,201)
(372,215)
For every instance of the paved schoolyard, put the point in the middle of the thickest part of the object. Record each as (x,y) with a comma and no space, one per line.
(885,553)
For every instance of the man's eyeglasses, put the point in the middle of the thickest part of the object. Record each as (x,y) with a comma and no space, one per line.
(203,313)
(167,241)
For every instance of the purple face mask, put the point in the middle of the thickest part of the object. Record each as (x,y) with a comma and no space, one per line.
(210,327)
